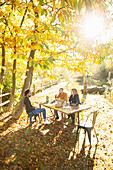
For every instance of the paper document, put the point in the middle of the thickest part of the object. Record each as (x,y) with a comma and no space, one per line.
(66,107)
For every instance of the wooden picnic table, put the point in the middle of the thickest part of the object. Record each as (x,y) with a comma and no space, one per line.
(67,109)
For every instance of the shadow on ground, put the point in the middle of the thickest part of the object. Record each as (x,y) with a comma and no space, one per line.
(45,147)
(8,121)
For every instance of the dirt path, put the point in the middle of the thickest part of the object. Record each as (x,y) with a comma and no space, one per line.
(41,96)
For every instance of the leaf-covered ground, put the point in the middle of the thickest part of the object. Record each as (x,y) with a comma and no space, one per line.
(53,147)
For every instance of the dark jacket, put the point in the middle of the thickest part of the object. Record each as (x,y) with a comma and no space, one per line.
(28,105)
(74,99)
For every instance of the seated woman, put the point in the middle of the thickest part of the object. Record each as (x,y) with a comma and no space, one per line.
(74,100)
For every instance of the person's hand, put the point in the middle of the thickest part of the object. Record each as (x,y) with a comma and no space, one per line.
(35,107)
(55,96)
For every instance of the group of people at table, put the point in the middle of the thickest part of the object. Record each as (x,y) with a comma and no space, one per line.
(62,97)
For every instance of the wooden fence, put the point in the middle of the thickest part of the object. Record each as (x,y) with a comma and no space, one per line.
(4,103)
(37,87)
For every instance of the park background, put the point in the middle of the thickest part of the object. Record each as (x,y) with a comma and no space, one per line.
(45,45)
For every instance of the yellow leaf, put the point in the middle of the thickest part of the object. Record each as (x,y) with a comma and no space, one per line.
(14,71)
(60,17)
(0,13)
(53,19)
(53,5)
(62,1)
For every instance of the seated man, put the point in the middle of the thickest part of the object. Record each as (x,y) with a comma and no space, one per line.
(31,109)
(62,96)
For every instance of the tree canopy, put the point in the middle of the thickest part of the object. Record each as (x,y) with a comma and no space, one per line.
(57,35)
(42,34)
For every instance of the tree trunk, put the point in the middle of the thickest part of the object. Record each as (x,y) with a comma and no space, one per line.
(85,84)
(28,79)
(27,84)
(2,69)
(3,63)
(12,96)
(85,88)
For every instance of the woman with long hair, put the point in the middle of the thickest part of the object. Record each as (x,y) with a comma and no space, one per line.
(74,101)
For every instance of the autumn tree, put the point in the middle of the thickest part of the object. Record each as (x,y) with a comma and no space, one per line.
(50,34)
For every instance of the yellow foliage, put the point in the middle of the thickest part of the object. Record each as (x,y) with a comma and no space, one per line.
(46,36)
(14,71)
(53,5)
(60,16)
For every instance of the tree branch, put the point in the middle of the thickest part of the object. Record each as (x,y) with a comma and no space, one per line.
(24,15)
(65,50)
(2,4)
(6,23)
(59,9)
(46,3)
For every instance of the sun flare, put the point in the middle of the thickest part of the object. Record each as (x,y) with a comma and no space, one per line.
(93,26)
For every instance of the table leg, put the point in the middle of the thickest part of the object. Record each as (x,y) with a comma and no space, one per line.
(78,118)
(61,116)
(53,114)
(62,120)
